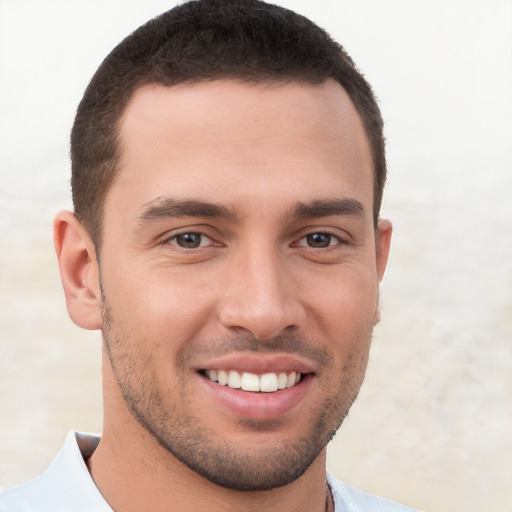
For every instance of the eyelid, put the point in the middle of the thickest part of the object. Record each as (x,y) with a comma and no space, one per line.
(340,235)
(201,244)
(169,237)
(337,241)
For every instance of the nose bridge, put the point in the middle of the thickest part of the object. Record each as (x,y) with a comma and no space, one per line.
(260,297)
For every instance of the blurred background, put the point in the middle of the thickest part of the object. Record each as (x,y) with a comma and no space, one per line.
(432,427)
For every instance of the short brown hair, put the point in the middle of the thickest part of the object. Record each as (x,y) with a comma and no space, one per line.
(203,40)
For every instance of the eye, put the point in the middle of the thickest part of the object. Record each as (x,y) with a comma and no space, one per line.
(190,240)
(318,240)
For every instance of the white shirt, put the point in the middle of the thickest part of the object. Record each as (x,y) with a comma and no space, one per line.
(67,486)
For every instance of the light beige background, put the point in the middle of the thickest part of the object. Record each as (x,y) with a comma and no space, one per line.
(433,424)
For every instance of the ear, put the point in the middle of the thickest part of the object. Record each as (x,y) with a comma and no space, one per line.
(382,244)
(79,270)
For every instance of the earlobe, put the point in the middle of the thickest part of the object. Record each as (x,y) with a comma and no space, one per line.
(382,244)
(79,270)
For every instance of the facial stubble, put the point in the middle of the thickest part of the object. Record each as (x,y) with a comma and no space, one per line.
(256,465)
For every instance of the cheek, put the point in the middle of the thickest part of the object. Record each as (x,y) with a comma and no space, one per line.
(348,300)
(345,314)
(165,312)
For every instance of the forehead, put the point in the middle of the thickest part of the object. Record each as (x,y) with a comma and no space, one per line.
(226,139)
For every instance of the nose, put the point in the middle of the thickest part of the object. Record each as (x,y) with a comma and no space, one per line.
(261,296)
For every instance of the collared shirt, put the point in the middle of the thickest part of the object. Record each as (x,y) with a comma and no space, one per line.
(67,486)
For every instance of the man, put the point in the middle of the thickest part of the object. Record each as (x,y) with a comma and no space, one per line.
(227,174)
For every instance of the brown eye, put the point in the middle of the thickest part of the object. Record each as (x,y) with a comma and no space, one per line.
(319,240)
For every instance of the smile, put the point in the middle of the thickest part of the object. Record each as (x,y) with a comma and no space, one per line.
(266,383)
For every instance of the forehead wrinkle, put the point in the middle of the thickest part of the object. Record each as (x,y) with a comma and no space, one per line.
(162,208)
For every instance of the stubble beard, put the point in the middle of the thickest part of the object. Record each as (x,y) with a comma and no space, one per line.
(257,466)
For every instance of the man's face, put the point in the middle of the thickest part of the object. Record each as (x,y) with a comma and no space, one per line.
(239,250)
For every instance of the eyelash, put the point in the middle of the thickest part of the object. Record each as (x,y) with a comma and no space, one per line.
(202,236)
(338,241)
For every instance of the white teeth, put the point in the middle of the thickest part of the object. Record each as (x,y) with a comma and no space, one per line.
(250,382)
(234,380)
(282,380)
(267,383)
(222,377)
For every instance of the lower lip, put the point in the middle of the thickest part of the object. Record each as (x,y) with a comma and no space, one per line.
(262,406)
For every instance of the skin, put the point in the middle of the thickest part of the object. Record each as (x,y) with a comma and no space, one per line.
(285,275)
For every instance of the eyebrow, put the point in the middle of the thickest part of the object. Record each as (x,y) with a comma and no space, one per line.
(328,207)
(169,207)
(175,208)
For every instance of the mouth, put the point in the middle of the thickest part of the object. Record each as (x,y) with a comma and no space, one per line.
(259,383)
(258,388)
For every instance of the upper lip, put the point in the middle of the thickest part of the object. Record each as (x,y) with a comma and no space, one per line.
(259,363)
